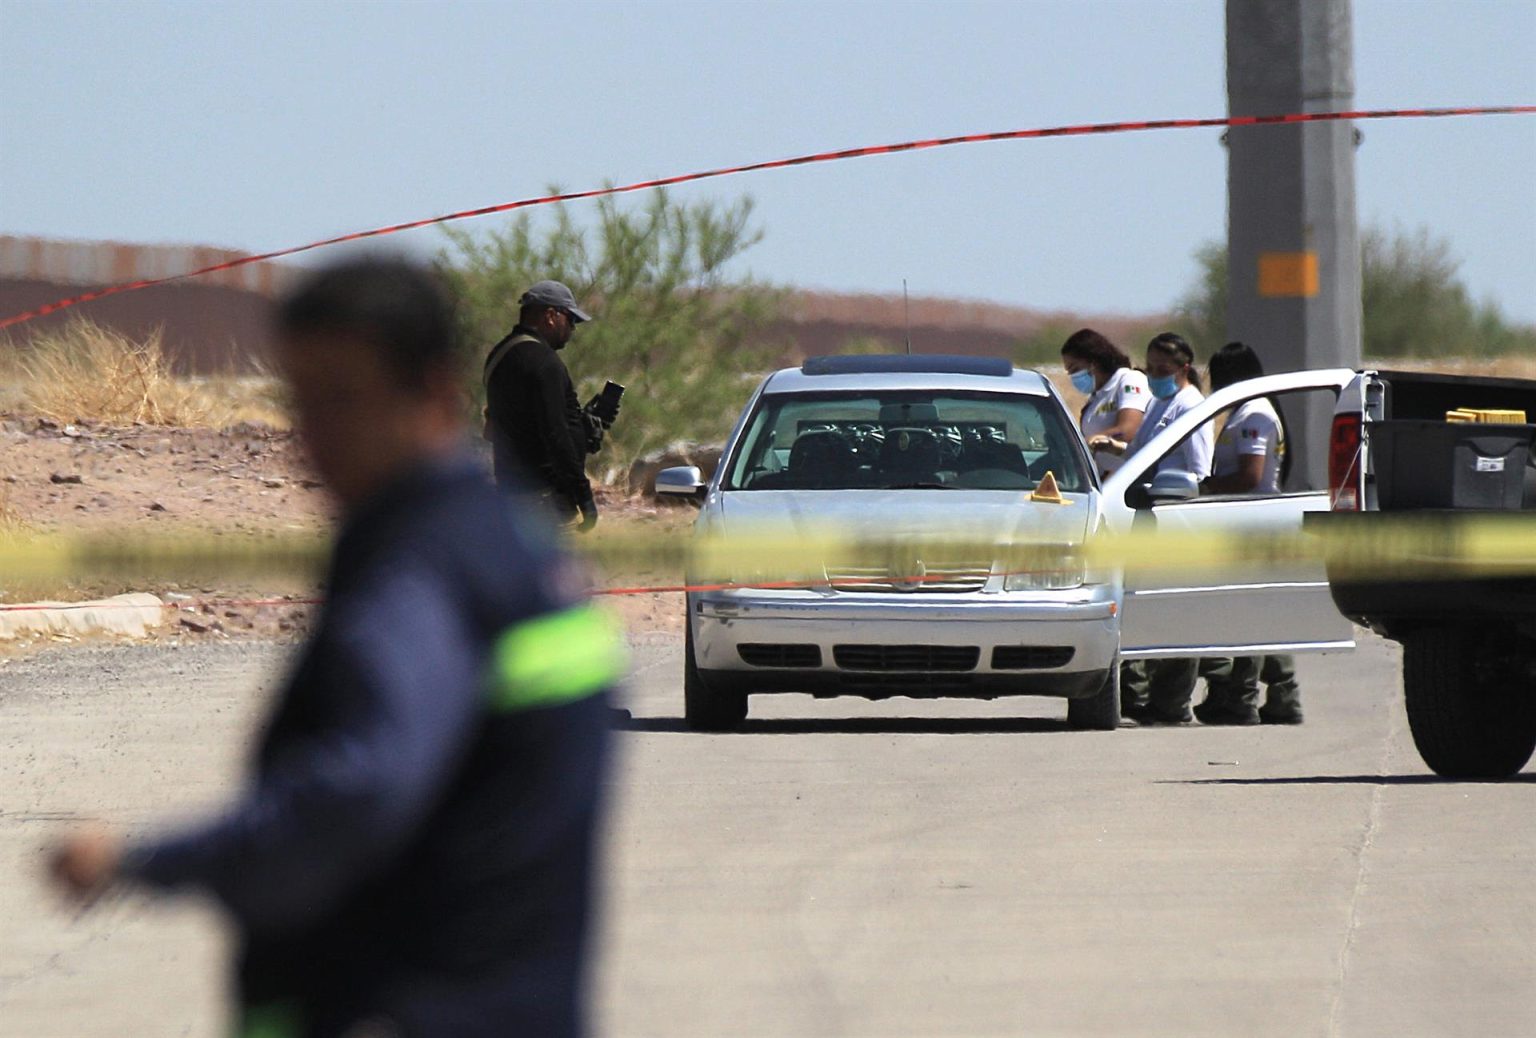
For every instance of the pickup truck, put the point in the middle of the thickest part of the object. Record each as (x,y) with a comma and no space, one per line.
(1469,642)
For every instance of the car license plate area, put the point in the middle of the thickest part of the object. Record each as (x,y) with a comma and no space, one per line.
(914,658)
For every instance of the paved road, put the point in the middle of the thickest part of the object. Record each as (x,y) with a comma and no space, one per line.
(898,869)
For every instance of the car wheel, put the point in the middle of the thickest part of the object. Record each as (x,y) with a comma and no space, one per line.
(1100,711)
(1469,719)
(705,708)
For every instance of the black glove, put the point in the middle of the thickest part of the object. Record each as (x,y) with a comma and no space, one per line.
(588,515)
(594,430)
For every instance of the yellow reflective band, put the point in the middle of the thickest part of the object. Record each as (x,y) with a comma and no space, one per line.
(273,1020)
(556,659)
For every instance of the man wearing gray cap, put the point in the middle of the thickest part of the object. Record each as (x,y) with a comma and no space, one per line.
(539,432)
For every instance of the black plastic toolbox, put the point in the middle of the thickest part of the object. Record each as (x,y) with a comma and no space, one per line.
(1438,464)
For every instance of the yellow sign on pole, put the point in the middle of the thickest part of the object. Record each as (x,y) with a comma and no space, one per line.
(1284,275)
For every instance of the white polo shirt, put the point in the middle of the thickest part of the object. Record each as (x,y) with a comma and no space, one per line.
(1125,389)
(1194,454)
(1254,428)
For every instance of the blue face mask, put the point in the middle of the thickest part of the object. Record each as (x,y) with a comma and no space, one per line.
(1082,381)
(1163,387)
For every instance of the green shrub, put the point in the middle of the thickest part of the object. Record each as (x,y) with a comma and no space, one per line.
(671,324)
(1413,302)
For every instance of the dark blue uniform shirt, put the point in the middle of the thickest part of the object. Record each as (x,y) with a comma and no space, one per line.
(416,839)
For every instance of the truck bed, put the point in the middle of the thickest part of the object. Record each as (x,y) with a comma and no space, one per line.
(1426,470)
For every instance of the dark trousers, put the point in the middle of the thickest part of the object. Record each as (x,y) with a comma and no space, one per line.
(1235,682)
(1164,686)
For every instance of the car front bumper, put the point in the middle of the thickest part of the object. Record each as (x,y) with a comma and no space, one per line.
(877,645)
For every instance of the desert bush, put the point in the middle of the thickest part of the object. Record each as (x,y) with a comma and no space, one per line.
(1201,314)
(1414,304)
(84,371)
(672,324)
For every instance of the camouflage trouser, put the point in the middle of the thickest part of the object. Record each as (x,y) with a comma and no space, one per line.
(1235,682)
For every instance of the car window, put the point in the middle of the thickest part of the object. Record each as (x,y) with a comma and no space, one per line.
(905,439)
(1264,426)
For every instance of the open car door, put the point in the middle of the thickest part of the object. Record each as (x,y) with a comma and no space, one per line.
(1169,610)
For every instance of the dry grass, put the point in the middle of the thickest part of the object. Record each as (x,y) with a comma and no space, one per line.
(1500,367)
(13,531)
(87,372)
(11,523)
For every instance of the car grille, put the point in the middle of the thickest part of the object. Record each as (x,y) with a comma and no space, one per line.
(906,657)
(770,654)
(917,578)
(1031,657)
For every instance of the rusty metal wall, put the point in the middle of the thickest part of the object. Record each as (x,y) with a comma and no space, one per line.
(93,263)
(214,324)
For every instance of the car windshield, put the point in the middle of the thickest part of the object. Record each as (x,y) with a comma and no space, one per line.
(906,439)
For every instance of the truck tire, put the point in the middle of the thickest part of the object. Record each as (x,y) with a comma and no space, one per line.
(707,709)
(1100,711)
(1467,722)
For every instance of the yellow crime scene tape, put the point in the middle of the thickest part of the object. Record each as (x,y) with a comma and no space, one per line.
(32,558)
(1356,546)
(1416,548)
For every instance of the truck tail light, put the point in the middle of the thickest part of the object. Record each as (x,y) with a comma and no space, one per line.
(1344,461)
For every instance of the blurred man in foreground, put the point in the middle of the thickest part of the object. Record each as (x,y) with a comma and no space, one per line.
(412,853)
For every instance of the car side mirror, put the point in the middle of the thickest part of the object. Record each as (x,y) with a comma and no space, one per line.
(681,481)
(1175,485)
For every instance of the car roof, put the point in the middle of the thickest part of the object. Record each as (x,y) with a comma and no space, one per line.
(886,371)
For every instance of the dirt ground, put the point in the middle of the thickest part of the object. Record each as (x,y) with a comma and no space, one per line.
(246,481)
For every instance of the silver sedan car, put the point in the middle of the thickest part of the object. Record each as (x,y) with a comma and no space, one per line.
(905,526)
(913,526)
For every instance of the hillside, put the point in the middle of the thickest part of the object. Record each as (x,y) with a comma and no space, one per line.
(216,324)
(825,322)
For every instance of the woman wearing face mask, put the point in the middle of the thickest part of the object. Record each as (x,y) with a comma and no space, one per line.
(1159,691)
(1117,395)
(1175,387)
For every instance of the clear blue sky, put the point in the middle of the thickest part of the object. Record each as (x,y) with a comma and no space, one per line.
(259,125)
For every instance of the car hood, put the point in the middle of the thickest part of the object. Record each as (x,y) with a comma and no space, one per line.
(972,516)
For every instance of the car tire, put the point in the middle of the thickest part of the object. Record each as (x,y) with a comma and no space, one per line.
(1467,722)
(706,708)
(1099,712)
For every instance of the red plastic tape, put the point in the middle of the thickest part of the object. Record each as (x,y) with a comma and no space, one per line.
(800,160)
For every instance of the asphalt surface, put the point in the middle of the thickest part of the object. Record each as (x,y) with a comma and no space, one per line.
(870,869)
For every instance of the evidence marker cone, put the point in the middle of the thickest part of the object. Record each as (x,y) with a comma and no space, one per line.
(1047,491)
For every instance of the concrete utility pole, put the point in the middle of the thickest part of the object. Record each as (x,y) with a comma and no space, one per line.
(1293,250)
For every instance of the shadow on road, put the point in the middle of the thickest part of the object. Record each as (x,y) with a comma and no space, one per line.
(1343,780)
(860,725)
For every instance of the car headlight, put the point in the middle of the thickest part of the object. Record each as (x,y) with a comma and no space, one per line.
(1043,567)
